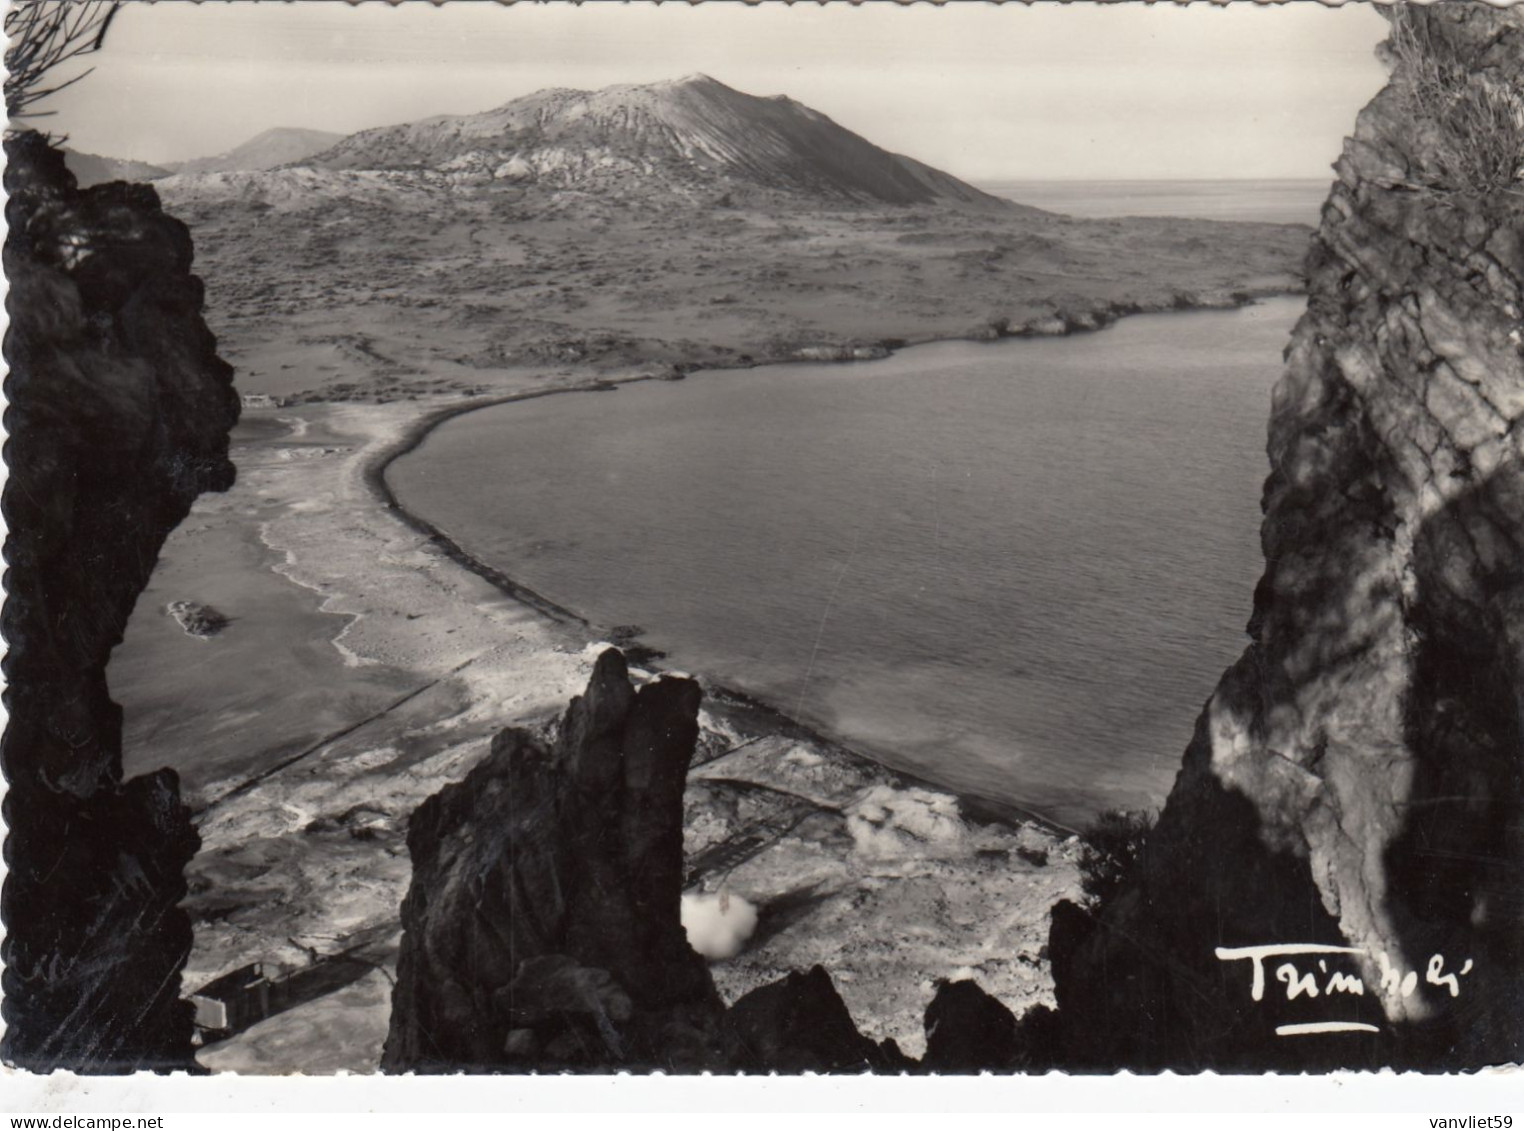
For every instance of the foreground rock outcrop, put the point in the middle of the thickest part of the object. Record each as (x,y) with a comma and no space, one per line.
(118,418)
(542,924)
(800,1024)
(1357,779)
(543,928)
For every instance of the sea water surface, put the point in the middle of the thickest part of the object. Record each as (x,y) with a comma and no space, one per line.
(1016,569)
(1272,201)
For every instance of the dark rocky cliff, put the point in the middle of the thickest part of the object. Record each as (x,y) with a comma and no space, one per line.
(118,418)
(543,928)
(542,924)
(1356,778)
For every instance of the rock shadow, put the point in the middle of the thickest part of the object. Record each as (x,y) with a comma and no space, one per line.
(1456,870)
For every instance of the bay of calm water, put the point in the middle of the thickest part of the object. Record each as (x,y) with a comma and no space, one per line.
(1273,201)
(1016,569)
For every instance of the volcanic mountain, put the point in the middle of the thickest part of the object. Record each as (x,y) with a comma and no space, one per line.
(93,169)
(678,136)
(282,145)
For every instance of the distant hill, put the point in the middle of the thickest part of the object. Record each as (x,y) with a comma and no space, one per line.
(92,169)
(282,145)
(665,137)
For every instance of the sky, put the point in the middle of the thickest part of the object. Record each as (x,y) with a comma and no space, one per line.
(985,91)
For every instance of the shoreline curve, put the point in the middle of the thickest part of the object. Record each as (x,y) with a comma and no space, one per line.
(413,438)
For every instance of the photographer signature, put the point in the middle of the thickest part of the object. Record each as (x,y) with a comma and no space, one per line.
(1321,982)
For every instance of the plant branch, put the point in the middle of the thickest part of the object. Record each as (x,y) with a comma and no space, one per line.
(45,34)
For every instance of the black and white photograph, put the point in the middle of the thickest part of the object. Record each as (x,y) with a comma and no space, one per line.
(744,538)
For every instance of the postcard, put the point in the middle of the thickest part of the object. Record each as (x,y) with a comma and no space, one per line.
(764,538)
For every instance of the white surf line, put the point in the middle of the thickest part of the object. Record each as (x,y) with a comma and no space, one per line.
(1309,1027)
(351,658)
(298,426)
(289,568)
